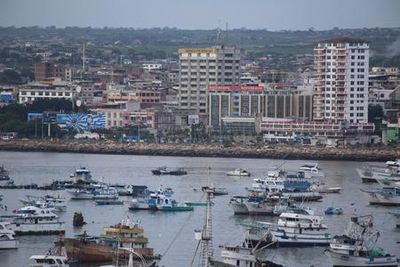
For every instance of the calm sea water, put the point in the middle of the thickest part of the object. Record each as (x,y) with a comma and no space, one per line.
(171,234)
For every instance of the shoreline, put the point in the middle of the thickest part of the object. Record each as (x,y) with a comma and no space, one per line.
(201,150)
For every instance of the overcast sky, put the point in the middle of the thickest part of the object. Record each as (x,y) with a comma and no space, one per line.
(203,14)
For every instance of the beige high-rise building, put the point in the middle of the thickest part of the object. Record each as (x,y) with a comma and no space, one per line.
(341,88)
(201,67)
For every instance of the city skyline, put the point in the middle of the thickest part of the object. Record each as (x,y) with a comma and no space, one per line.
(257,14)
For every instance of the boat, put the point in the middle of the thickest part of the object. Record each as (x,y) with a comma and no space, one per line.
(47,201)
(82,176)
(385,196)
(372,175)
(303,196)
(357,247)
(48,261)
(56,257)
(294,230)
(311,171)
(254,205)
(93,193)
(7,239)
(165,171)
(128,234)
(158,201)
(196,203)
(241,256)
(238,172)
(34,220)
(109,202)
(333,211)
(216,191)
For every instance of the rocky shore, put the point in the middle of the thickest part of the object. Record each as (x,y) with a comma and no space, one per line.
(273,152)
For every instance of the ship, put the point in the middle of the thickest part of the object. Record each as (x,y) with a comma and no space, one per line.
(126,234)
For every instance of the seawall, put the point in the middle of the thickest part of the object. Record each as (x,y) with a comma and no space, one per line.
(197,150)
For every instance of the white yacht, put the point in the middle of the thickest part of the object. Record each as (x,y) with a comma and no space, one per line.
(311,171)
(49,202)
(34,220)
(48,261)
(7,240)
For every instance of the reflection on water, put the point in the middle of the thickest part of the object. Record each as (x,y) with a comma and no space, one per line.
(162,228)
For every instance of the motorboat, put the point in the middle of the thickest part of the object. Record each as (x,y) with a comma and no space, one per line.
(333,211)
(238,172)
(7,239)
(311,171)
(47,201)
(82,176)
(158,201)
(48,261)
(34,220)
(357,247)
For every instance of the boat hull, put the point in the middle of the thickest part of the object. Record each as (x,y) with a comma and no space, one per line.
(382,201)
(38,229)
(8,244)
(79,250)
(344,260)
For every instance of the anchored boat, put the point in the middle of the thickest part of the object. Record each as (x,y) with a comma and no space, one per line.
(128,235)
(358,246)
(34,220)
(7,239)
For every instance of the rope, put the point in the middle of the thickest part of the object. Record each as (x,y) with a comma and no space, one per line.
(177,234)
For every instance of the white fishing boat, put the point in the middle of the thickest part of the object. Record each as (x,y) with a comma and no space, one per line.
(358,246)
(238,172)
(7,239)
(295,230)
(34,220)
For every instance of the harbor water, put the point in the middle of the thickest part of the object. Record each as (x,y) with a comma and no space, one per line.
(171,234)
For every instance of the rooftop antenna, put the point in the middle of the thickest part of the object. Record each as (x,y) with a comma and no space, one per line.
(226,33)
(83,58)
(218,33)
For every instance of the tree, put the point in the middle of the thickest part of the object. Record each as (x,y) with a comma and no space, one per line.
(10,77)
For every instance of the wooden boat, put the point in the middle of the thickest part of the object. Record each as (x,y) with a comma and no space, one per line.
(127,234)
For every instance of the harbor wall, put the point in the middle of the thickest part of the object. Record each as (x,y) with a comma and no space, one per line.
(380,153)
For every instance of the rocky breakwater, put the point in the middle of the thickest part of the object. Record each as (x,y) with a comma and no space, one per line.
(202,150)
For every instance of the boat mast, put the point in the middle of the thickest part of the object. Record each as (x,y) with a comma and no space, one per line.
(206,236)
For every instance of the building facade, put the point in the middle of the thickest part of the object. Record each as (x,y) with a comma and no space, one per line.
(200,67)
(30,92)
(341,82)
(249,101)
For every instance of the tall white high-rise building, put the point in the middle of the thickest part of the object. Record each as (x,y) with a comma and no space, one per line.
(341,88)
(201,67)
